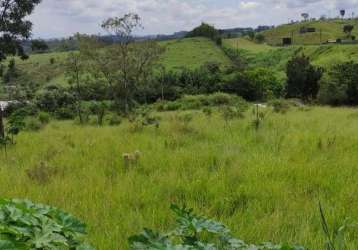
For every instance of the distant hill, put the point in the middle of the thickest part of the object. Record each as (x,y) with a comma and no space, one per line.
(331,29)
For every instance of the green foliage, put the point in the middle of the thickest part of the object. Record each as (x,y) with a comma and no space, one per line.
(348,29)
(204,30)
(259,84)
(14,27)
(280,105)
(44,117)
(260,38)
(113,119)
(33,124)
(232,112)
(197,232)
(39,45)
(196,102)
(53,98)
(25,225)
(302,78)
(336,239)
(340,85)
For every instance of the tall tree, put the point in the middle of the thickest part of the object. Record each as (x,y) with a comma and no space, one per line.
(13,28)
(124,64)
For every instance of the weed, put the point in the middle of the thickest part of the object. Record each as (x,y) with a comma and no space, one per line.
(42,173)
(335,239)
(131,160)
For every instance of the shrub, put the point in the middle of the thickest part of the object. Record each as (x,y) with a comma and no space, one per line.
(54,97)
(41,173)
(259,84)
(231,113)
(208,111)
(280,106)
(302,78)
(44,117)
(340,85)
(33,124)
(65,113)
(182,122)
(113,120)
(26,225)
(196,102)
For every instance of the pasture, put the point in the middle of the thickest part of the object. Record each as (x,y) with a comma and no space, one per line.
(265,185)
(331,29)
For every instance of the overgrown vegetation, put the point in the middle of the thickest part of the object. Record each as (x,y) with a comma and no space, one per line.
(197,232)
(24,225)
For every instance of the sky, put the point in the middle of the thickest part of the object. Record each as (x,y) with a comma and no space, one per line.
(63,18)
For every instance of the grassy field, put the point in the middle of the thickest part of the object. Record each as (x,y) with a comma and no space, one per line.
(264,185)
(331,29)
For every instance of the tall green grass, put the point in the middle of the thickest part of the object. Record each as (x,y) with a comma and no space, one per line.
(264,185)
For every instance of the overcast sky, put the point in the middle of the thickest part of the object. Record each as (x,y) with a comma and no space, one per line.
(60,18)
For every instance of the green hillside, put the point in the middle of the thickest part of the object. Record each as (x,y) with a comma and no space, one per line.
(189,53)
(263,55)
(192,53)
(331,29)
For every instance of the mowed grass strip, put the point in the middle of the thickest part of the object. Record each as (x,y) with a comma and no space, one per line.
(264,185)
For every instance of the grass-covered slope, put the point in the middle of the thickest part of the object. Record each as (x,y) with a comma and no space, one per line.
(331,29)
(276,58)
(192,53)
(189,53)
(264,185)
(245,44)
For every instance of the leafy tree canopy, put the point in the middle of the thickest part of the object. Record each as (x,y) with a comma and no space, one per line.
(13,27)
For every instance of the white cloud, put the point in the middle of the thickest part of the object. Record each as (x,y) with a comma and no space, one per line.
(56,18)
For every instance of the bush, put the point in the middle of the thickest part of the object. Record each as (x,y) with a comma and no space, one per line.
(44,117)
(65,113)
(340,85)
(33,124)
(259,84)
(113,120)
(53,98)
(302,78)
(280,106)
(26,225)
(196,102)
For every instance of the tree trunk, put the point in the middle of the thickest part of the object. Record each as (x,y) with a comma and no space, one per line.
(2,127)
